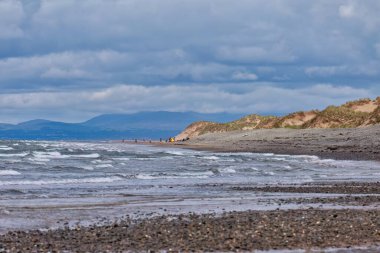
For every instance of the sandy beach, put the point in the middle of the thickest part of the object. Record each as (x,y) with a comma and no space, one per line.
(345,144)
(190,126)
(317,215)
(310,228)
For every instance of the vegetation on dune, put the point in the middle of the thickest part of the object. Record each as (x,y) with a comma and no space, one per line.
(337,117)
(377,101)
(375,116)
(351,104)
(252,121)
(352,114)
(295,120)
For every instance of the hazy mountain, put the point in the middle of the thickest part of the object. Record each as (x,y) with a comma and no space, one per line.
(157,120)
(148,125)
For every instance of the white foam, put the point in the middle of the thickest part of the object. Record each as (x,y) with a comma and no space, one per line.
(145,176)
(13,160)
(9,173)
(88,167)
(49,155)
(151,177)
(212,157)
(94,155)
(172,152)
(278,159)
(14,155)
(283,155)
(39,159)
(229,160)
(313,157)
(122,158)
(6,148)
(205,173)
(104,166)
(63,181)
(227,170)
(102,161)
(199,175)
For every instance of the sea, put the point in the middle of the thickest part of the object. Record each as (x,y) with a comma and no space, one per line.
(52,184)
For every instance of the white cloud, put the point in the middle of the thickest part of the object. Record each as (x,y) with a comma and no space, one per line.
(210,98)
(11,16)
(65,73)
(277,53)
(347,11)
(108,66)
(194,71)
(244,76)
(364,13)
(370,68)
(69,64)
(325,70)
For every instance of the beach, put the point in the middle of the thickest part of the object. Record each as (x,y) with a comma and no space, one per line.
(341,143)
(230,232)
(119,197)
(190,126)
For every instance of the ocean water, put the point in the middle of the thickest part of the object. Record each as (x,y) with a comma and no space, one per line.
(47,184)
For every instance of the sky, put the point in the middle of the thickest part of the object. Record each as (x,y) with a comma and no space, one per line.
(72,60)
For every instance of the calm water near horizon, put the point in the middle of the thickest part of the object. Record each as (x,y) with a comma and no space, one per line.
(50,184)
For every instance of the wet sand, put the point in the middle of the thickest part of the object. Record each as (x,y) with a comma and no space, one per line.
(346,144)
(305,228)
(340,188)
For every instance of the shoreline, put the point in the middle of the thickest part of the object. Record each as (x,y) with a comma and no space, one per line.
(301,216)
(361,156)
(338,144)
(345,220)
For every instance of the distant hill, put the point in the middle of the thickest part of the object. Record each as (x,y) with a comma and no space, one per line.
(143,125)
(160,120)
(353,114)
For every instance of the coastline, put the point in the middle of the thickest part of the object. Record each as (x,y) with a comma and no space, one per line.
(316,216)
(339,144)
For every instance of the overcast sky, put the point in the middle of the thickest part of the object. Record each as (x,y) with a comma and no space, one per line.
(71,60)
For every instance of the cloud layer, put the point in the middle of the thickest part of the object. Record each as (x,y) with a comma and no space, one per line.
(66,59)
(262,98)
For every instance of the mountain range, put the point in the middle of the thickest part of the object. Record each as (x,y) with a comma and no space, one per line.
(142,125)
